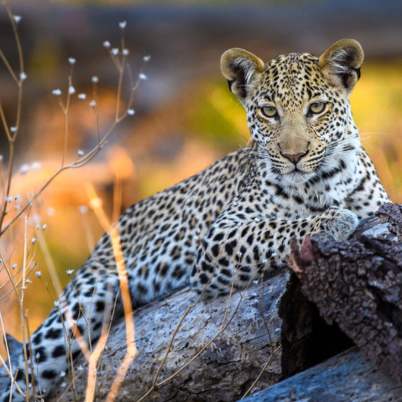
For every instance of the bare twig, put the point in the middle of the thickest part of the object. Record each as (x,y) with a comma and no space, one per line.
(11,133)
(224,325)
(12,136)
(169,347)
(263,368)
(124,291)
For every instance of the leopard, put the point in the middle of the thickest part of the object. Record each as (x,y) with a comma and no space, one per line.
(303,171)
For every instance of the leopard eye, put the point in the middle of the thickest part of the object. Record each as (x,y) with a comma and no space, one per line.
(316,108)
(269,111)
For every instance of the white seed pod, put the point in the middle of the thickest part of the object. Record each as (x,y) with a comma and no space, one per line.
(83,209)
(36,165)
(24,168)
(50,211)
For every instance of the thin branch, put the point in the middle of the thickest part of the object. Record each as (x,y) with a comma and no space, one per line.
(66,109)
(8,66)
(5,124)
(8,184)
(12,136)
(224,325)
(121,68)
(124,291)
(264,367)
(16,36)
(169,347)
(22,309)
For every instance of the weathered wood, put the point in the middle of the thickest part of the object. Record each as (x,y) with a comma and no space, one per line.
(347,377)
(306,339)
(358,285)
(223,372)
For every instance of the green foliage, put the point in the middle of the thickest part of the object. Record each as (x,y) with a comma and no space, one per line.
(218,118)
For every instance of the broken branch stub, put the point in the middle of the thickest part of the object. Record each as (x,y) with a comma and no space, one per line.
(358,285)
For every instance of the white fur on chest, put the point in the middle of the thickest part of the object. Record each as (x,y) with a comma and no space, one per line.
(301,195)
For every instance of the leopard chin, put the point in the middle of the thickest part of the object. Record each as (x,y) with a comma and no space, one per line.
(297,177)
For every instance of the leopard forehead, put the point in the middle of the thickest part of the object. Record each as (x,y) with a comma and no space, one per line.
(290,80)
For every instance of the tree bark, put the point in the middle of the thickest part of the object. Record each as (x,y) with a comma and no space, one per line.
(347,377)
(240,334)
(358,285)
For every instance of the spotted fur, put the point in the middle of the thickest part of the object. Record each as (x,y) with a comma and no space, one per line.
(232,223)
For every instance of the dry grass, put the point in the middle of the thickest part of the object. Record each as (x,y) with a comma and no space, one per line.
(21,225)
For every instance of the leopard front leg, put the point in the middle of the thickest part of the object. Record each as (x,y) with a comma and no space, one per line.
(236,251)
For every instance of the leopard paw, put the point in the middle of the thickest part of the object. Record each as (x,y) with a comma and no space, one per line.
(341,224)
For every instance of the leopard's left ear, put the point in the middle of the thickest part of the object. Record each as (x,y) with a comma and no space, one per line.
(341,63)
(241,68)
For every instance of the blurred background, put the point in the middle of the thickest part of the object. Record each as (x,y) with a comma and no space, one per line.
(185,118)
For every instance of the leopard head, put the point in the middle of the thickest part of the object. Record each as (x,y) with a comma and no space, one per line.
(297,105)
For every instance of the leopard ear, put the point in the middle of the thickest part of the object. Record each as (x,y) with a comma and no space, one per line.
(241,68)
(341,63)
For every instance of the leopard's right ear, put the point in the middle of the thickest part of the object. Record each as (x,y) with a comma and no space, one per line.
(241,68)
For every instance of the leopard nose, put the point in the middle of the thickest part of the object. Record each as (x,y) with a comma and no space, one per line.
(293,157)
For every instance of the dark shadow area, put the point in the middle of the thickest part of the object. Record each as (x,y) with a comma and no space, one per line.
(307,339)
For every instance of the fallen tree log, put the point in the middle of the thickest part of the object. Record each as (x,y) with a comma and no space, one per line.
(347,377)
(218,352)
